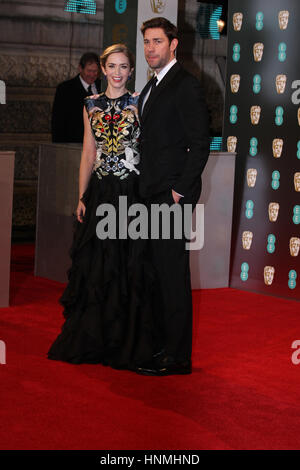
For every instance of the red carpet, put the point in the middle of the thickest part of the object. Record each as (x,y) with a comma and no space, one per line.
(244,392)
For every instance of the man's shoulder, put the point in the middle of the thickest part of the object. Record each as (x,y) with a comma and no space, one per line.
(71,83)
(184,74)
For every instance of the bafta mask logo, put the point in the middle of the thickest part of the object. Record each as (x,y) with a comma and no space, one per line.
(283,19)
(255,114)
(158,6)
(120,33)
(294,246)
(297,181)
(296,214)
(258,50)
(247,238)
(298,115)
(251,177)
(231,143)
(280,83)
(269,272)
(150,74)
(235,83)
(237,21)
(277,146)
(273,211)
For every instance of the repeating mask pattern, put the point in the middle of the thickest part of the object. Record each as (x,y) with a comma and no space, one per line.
(264,114)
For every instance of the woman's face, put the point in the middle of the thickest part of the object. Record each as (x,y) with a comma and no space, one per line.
(117,69)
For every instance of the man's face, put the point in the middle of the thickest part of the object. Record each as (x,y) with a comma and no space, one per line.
(158,51)
(89,73)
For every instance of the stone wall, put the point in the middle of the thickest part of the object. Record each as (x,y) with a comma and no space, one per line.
(40,47)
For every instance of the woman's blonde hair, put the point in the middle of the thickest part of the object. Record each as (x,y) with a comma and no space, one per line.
(117,48)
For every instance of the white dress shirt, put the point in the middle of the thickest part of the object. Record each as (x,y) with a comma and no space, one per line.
(86,85)
(160,75)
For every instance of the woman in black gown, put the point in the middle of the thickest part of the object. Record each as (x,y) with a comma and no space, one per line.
(107,301)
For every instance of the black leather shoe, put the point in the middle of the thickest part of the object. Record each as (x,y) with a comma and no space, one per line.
(172,368)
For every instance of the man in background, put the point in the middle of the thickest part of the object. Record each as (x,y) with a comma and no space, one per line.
(67,111)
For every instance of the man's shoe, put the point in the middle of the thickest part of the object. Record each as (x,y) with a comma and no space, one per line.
(172,368)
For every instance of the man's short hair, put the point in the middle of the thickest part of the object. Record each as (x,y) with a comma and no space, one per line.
(169,28)
(89,58)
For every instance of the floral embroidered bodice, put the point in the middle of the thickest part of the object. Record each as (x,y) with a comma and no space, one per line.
(115,126)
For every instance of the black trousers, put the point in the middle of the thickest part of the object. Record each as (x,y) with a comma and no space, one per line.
(174,315)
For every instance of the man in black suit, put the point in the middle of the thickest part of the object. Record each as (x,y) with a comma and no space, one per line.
(67,111)
(174,151)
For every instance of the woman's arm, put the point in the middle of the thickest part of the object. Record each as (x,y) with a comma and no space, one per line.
(88,156)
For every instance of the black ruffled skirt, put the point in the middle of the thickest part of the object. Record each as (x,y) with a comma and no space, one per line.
(111,292)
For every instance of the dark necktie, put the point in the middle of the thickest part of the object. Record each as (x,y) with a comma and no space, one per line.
(153,86)
(89,90)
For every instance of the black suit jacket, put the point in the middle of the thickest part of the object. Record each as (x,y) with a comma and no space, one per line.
(67,112)
(174,135)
